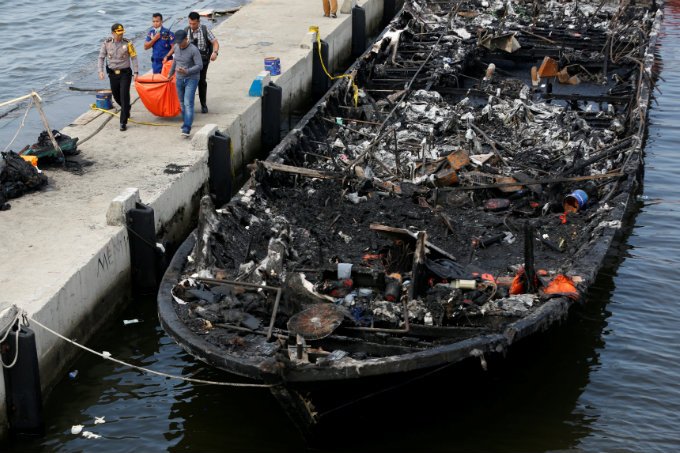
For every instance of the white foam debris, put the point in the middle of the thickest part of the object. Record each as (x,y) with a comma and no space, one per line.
(91,435)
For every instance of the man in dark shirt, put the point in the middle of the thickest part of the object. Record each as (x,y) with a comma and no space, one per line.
(187,64)
(204,39)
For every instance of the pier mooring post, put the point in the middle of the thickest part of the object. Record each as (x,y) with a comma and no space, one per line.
(320,81)
(271,116)
(358,31)
(22,381)
(143,251)
(219,166)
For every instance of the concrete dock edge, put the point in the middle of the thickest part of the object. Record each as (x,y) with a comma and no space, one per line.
(65,255)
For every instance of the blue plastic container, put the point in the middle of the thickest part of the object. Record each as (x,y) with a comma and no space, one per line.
(104,100)
(575,201)
(273,65)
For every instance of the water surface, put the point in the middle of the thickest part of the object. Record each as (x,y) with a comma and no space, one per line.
(52,47)
(605,381)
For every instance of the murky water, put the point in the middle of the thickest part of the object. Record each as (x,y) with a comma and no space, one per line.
(52,48)
(606,380)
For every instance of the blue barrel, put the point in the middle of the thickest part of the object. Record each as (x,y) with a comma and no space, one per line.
(104,100)
(575,201)
(273,65)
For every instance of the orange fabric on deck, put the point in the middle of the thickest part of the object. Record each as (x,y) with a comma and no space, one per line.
(562,285)
(158,93)
(517,286)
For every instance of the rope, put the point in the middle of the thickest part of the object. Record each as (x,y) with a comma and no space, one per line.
(99,128)
(23,121)
(154,247)
(94,107)
(341,76)
(147,370)
(16,343)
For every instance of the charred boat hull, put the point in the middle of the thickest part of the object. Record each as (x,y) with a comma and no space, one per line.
(457,194)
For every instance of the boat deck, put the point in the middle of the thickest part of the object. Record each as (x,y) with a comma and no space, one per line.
(449,162)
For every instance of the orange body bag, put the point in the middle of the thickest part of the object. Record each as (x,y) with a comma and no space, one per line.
(158,93)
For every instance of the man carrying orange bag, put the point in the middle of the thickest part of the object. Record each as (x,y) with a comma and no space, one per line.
(188,65)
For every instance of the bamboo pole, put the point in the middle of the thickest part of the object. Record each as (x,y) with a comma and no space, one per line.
(38,104)
(13,101)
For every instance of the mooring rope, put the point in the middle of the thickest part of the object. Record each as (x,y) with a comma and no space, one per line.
(140,368)
(16,343)
(355,88)
(21,126)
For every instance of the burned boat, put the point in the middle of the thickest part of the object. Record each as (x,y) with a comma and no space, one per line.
(457,193)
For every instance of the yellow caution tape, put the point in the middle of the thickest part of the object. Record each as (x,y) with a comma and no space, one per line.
(315,29)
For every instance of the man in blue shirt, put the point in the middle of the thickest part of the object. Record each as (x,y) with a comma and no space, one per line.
(161,39)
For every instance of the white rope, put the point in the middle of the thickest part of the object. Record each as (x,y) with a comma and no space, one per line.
(146,370)
(23,121)
(16,343)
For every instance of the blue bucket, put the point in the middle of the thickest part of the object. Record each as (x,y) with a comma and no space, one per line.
(104,100)
(575,201)
(273,65)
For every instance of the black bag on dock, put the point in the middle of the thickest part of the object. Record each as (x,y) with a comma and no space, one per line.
(18,177)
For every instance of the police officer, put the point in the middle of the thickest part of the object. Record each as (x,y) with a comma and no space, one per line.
(161,40)
(122,68)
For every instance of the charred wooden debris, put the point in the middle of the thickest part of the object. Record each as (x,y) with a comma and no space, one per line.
(483,170)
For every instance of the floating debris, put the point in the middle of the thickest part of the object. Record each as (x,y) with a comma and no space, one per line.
(91,435)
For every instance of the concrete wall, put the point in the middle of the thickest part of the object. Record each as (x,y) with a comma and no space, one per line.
(296,83)
(100,285)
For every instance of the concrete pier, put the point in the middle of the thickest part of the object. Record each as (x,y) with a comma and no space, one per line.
(64,252)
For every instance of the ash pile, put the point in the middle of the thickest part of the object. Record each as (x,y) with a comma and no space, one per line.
(478,162)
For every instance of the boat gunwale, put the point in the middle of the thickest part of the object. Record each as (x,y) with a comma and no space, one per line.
(540,319)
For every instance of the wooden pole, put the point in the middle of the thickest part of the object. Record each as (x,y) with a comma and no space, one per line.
(529,269)
(418,282)
(306,172)
(12,101)
(38,104)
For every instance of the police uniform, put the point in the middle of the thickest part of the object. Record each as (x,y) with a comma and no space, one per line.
(119,56)
(160,48)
